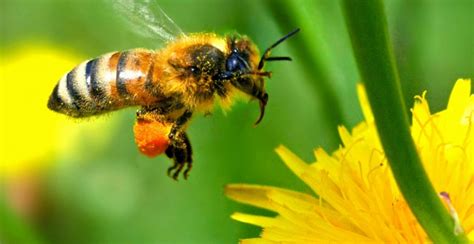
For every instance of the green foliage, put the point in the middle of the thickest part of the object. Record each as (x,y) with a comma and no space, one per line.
(114,194)
(14,228)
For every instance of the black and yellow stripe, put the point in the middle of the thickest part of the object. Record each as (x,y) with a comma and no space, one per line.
(104,84)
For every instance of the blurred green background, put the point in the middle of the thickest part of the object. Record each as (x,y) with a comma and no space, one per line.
(113,194)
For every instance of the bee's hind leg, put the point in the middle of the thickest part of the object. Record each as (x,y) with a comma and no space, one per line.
(189,156)
(176,154)
(170,154)
(176,134)
(182,156)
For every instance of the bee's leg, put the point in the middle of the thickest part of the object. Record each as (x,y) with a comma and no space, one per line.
(170,154)
(189,156)
(182,156)
(255,92)
(140,114)
(179,160)
(175,139)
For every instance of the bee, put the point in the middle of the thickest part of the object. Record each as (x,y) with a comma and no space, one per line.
(169,85)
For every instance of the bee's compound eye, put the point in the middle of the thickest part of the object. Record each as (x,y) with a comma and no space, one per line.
(235,63)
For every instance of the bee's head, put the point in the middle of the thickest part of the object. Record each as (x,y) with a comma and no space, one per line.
(245,68)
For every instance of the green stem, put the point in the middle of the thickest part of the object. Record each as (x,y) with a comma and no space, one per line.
(291,14)
(367,26)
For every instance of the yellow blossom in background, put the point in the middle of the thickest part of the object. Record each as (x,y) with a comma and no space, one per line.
(357,197)
(30,133)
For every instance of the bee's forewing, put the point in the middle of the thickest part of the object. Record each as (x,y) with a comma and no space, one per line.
(147,19)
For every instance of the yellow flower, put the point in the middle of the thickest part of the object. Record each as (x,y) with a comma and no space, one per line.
(357,197)
(30,134)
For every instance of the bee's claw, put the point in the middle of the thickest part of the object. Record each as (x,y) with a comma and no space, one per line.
(189,166)
(171,168)
(180,152)
(175,169)
(175,176)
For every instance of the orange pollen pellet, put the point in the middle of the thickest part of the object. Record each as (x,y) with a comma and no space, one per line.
(151,136)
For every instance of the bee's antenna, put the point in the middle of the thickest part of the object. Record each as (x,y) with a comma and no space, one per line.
(266,54)
(278,59)
(260,73)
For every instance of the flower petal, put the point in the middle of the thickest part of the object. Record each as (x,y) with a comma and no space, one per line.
(293,162)
(257,195)
(357,197)
(364,103)
(258,241)
(459,95)
(253,219)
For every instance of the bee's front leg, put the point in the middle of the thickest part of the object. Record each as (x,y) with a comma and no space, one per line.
(175,139)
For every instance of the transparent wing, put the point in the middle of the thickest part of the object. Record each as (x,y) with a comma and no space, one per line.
(148,19)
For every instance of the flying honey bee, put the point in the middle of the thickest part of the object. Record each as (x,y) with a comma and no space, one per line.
(169,85)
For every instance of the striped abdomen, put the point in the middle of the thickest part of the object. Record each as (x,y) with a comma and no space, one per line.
(107,83)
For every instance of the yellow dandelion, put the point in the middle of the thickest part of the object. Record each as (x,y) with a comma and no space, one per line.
(357,199)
